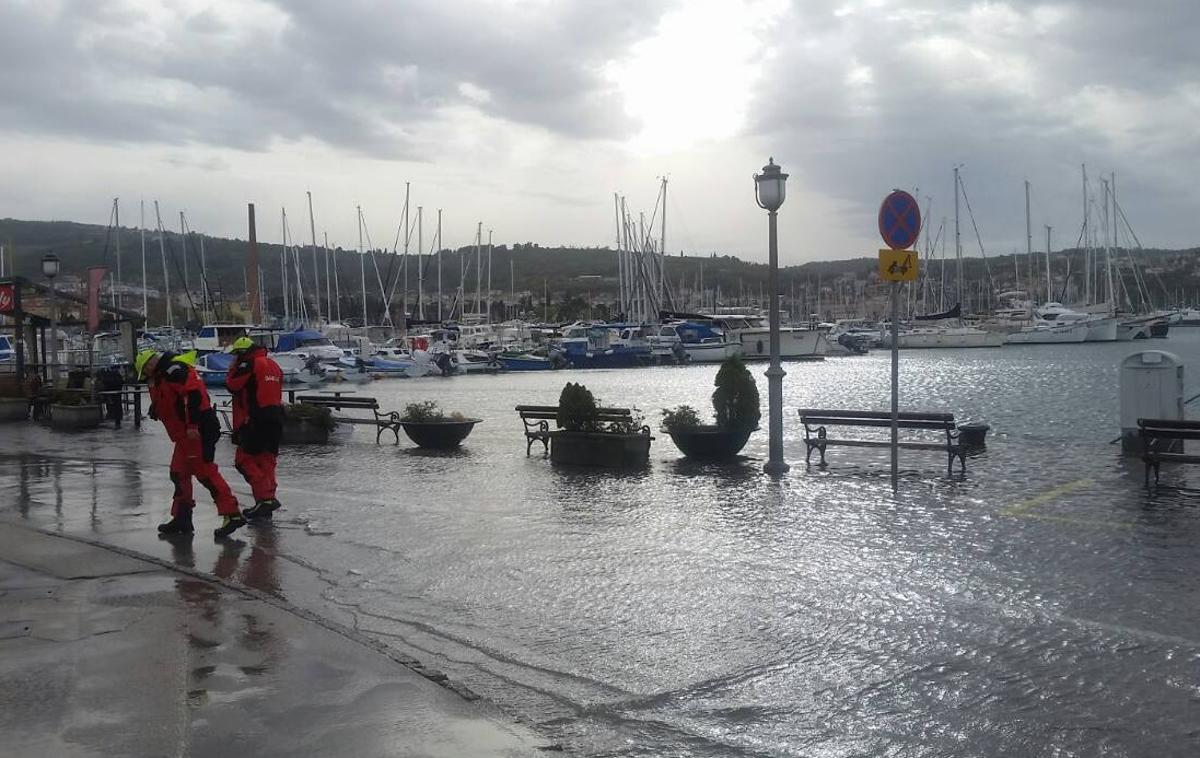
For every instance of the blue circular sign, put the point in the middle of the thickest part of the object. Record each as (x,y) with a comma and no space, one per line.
(899,220)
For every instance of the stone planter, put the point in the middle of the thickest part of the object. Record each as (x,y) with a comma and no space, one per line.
(439,435)
(600,449)
(303,431)
(75,417)
(14,409)
(710,443)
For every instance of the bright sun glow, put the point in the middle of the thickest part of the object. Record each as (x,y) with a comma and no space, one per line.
(692,80)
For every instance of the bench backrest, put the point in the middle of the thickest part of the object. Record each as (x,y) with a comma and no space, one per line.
(339,402)
(550,413)
(905,420)
(1166,428)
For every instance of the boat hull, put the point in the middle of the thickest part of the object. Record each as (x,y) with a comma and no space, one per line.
(949,338)
(711,352)
(794,344)
(1102,330)
(1056,335)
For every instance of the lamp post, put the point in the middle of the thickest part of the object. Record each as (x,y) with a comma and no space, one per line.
(50,270)
(770,190)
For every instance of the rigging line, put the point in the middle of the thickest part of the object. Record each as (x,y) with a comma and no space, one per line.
(986,266)
(387,313)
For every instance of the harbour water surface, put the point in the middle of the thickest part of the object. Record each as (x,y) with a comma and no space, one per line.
(1044,604)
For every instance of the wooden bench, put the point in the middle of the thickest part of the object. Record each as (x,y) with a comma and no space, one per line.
(1163,440)
(388,420)
(816,432)
(537,418)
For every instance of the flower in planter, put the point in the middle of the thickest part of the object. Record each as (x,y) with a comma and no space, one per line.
(679,418)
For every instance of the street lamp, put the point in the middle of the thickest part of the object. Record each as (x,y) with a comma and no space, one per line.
(770,188)
(50,270)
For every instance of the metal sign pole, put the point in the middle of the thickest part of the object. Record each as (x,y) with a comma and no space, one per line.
(895,386)
(900,227)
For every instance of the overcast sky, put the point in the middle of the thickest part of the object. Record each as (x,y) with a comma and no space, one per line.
(528,115)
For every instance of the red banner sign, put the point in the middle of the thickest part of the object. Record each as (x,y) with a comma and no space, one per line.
(96,276)
(8,301)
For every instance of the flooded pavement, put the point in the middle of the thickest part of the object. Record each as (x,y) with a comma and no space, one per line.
(1042,604)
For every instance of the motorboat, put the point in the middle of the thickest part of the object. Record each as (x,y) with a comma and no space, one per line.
(601,346)
(754,335)
(698,342)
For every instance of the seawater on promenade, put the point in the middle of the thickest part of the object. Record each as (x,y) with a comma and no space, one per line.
(1045,604)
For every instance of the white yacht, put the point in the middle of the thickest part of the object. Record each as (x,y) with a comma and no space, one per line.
(1100,328)
(942,337)
(752,331)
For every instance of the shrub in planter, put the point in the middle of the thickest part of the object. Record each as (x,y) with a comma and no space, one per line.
(306,423)
(577,409)
(427,426)
(735,405)
(584,440)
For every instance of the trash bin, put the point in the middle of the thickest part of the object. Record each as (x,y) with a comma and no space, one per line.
(1151,387)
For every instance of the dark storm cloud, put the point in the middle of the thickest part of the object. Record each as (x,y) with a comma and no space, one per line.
(356,74)
(865,96)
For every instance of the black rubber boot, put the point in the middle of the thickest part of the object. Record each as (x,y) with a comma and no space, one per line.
(179,524)
(262,510)
(230,525)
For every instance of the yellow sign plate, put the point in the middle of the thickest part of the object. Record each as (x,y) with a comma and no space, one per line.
(898,265)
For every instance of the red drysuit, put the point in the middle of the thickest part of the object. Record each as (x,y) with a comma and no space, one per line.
(256,383)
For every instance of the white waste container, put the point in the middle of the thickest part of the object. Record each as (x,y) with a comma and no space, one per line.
(1151,387)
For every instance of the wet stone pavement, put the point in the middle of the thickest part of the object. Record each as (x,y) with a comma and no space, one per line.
(102,654)
(1044,604)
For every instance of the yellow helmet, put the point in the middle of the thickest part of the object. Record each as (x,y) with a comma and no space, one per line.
(187,359)
(240,344)
(139,363)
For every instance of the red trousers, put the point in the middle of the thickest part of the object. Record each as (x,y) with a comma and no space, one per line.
(259,470)
(187,461)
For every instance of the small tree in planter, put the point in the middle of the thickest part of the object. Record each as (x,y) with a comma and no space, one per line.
(14,403)
(73,411)
(306,424)
(588,437)
(427,426)
(736,407)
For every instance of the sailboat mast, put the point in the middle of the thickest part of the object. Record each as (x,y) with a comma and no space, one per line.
(620,256)
(117,225)
(183,252)
(205,305)
(439,263)
(478,263)
(337,292)
(957,238)
(162,251)
(407,237)
(362,266)
(283,268)
(662,253)
(1029,234)
(489,278)
(1049,283)
(420,266)
(312,230)
(142,238)
(1087,244)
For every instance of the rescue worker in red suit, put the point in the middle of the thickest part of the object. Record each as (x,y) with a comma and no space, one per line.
(179,400)
(256,383)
